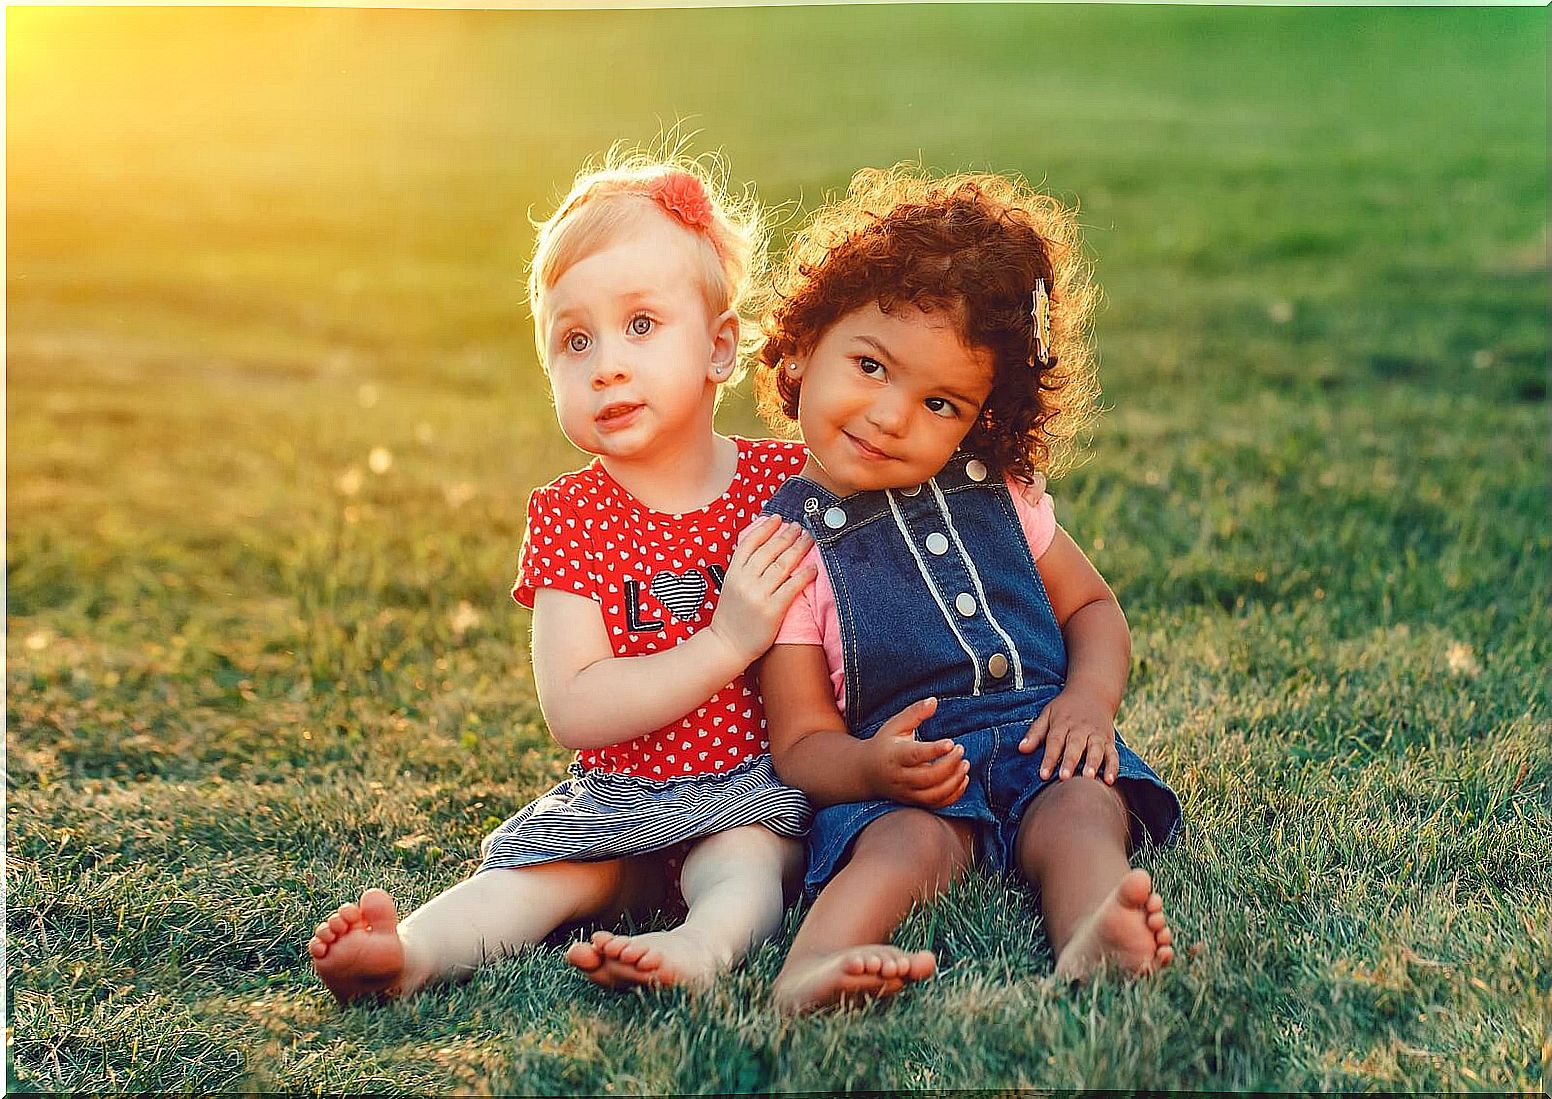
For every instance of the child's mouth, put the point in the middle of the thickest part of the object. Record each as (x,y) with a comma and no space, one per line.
(617,415)
(872,453)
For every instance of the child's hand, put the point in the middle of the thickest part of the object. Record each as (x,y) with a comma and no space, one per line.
(762,580)
(929,774)
(1078,731)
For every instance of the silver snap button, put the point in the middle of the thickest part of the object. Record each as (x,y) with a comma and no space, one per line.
(911,491)
(834,518)
(937,544)
(997,665)
(975,469)
(964,603)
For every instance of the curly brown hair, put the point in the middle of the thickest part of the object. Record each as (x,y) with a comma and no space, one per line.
(970,245)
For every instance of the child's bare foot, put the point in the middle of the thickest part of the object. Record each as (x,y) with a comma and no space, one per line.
(357,951)
(681,957)
(859,972)
(1128,930)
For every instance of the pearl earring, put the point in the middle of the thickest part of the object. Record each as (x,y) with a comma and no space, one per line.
(792,367)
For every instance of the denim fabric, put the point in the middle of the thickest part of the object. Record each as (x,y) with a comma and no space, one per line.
(938,595)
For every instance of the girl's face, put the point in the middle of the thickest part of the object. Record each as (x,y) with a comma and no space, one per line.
(633,356)
(886,398)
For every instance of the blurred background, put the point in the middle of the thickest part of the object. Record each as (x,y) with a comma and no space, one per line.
(246,246)
(273,412)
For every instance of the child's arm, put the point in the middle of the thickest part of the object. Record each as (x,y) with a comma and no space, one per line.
(592,698)
(812,750)
(1078,726)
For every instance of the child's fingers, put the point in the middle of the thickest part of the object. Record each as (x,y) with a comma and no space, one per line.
(1055,741)
(1094,756)
(755,535)
(915,753)
(928,775)
(788,560)
(789,588)
(945,793)
(774,542)
(1112,762)
(906,721)
(1072,753)
(1037,732)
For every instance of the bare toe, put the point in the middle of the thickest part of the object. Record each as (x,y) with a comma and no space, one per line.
(867,973)
(584,956)
(377,909)
(1136,889)
(922,965)
(356,952)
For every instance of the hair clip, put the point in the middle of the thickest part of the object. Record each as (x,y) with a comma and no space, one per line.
(1040,315)
(684,196)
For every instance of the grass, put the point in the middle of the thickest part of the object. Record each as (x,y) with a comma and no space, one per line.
(247,246)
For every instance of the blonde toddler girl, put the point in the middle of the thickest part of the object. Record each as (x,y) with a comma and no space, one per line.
(650,599)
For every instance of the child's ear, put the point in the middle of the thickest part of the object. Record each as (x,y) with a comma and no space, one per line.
(724,346)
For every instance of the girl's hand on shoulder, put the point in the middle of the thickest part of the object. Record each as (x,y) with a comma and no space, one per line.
(764,576)
(1078,731)
(928,774)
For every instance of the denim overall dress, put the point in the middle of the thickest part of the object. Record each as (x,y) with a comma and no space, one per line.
(938,595)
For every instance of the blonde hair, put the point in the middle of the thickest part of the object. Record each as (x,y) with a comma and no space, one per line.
(606,201)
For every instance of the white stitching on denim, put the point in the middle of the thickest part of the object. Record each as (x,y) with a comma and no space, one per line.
(975,578)
(921,567)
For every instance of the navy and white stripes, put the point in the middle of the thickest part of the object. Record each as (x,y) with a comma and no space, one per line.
(600,815)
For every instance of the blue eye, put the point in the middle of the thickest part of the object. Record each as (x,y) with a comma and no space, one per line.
(577,342)
(640,325)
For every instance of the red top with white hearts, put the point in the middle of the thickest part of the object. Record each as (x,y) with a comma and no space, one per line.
(656,576)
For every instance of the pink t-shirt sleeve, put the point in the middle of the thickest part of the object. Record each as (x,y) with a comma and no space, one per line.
(801,626)
(1038,520)
(813,619)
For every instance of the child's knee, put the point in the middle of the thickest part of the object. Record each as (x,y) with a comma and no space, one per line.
(919,844)
(1077,802)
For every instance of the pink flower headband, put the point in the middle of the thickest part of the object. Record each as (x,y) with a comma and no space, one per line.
(682,194)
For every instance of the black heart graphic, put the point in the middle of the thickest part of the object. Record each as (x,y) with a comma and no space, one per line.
(682,594)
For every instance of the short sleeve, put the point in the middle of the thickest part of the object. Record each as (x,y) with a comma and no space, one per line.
(1037,520)
(556,552)
(801,626)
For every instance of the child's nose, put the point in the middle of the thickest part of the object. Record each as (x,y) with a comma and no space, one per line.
(889,415)
(609,368)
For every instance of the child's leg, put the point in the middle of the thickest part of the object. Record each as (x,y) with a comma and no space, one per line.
(363,949)
(732,882)
(1072,846)
(841,950)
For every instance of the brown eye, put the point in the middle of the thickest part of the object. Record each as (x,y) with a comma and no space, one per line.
(577,343)
(640,325)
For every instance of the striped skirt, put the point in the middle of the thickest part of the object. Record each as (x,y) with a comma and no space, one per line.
(600,815)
